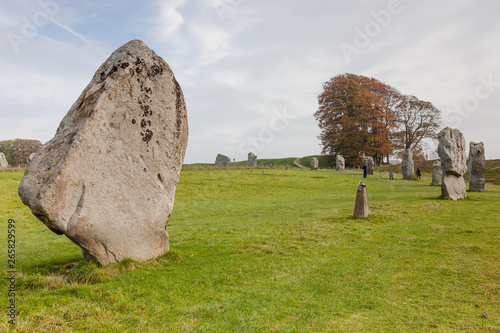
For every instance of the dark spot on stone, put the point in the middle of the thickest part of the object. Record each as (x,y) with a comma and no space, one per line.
(143,123)
(70,138)
(148,136)
(124,65)
(160,178)
(133,121)
(131,71)
(145,170)
(79,106)
(103,75)
(178,107)
(155,70)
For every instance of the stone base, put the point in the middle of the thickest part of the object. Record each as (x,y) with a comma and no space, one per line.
(453,187)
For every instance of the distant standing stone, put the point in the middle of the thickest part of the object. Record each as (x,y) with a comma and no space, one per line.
(222,161)
(451,151)
(437,173)
(252,160)
(407,166)
(314,163)
(3,161)
(339,163)
(107,179)
(368,160)
(477,167)
(362,206)
(30,158)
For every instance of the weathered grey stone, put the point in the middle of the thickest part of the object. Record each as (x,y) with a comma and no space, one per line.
(252,160)
(30,158)
(107,179)
(362,206)
(407,166)
(339,163)
(368,160)
(437,173)
(222,161)
(477,167)
(3,161)
(314,163)
(451,151)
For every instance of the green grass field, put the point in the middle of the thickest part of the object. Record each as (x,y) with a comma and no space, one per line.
(273,250)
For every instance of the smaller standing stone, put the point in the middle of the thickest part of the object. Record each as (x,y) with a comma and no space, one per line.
(32,155)
(222,161)
(362,206)
(252,160)
(368,160)
(437,173)
(407,166)
(477,167)
(3,161)
(339,163)
(314,163)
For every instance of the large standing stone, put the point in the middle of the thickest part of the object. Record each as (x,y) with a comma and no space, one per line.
(222,161)
(451,150)
(339,163)
(368,160)
(362,206)
(107,179)
(407,166)
(3,161)
(252,160)
(437,173)
(314,163)
(477,167)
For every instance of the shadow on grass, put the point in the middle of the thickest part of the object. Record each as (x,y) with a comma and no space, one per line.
(51,276)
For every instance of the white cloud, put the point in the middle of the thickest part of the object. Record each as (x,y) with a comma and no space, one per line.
(169,18)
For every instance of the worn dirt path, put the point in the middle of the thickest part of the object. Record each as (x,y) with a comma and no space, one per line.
(296,162)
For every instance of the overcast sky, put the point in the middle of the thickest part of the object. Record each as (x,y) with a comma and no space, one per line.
(251,70)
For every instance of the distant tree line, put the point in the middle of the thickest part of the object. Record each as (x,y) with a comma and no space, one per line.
(17,151)
(358,114)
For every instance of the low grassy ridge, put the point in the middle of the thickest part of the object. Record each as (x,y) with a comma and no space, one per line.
(261,163)
(274,250)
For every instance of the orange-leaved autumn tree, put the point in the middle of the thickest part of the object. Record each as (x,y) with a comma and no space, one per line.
(17,151)
(354,118)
